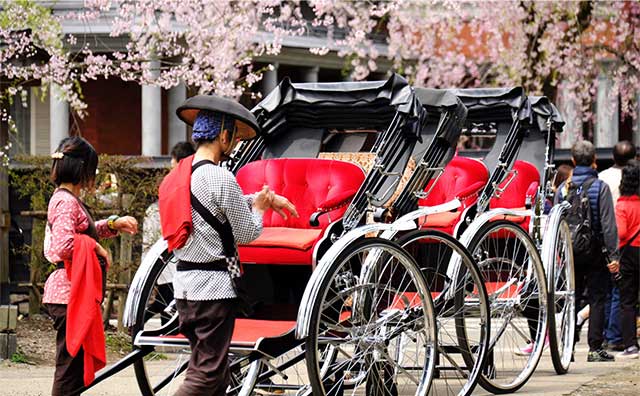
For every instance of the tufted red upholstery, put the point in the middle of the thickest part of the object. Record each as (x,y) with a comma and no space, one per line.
(307,183)
(524,184)
(463,178)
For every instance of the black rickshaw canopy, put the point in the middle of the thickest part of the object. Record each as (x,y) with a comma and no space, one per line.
(491,104)
(543,111)
(343,105)
(439,102)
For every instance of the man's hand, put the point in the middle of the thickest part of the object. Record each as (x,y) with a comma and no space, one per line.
(263,200)
(280,203)
(614,267)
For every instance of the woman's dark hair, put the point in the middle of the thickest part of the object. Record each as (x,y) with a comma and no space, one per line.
(182,150)
(630,182)
(78,162)
(562,174)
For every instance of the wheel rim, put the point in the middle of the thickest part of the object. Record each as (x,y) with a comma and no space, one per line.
(564,294)
(374,309)
(462,309)
(160,372)
(514,278)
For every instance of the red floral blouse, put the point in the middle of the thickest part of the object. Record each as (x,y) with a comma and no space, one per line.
(65,218)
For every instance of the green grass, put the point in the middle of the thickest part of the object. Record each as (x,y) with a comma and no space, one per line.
(156,356)
(20,358)
(118,342)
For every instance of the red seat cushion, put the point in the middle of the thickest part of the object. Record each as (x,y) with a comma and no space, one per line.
(280,245)
(307,183)
(522,221)
(459,174)
(515,194)
(445,222)
(441,220)
(290,238)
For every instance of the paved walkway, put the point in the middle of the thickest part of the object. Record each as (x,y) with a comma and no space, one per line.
(584,379)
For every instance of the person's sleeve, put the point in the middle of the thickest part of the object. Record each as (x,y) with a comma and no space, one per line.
(608,221)
(245,222)
(63,228)
(621,221)
(104,231)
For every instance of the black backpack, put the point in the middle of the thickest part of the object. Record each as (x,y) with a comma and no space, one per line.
(579,218)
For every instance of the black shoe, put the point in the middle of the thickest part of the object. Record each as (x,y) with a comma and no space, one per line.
(600,356)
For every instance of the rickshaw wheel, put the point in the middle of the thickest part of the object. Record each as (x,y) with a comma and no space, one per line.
(461,304)
(373,307)
(516,285)
(561,282)
(155,306)
(157,373)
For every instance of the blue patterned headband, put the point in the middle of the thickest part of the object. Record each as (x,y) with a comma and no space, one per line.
(209,124)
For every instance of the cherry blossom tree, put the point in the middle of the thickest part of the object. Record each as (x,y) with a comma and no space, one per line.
(536,44)
(210,45)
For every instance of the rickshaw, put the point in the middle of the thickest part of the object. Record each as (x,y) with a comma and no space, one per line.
(524,255)
(372,295)
(451,199)
(437,194)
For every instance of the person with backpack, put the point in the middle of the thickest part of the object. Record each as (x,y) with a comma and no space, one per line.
(594,235)
(204,239)
(628,220)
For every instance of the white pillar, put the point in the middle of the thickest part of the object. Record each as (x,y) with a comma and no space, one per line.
(311,74)
(573,123)
(606,134)
(152,118)
(177,129)
(58,117)
(270,80)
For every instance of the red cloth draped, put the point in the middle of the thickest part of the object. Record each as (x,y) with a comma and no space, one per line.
(84,317)
(174,204)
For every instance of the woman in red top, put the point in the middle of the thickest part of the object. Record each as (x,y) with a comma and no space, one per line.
(628,220)
(73,170)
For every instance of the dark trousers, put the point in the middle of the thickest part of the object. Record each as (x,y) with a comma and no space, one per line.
(591,273)
(629,283)
(69,370)
(613,317)
(208,325)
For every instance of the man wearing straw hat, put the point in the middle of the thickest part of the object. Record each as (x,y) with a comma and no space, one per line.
(222,217)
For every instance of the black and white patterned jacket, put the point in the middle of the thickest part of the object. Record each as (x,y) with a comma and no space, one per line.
(217,189)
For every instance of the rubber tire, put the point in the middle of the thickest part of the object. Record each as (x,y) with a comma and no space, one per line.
(412,236)
(314,372)
(479,236)
(556,357)
(146,388)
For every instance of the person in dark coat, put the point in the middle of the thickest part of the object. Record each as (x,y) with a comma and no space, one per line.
(591,270)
